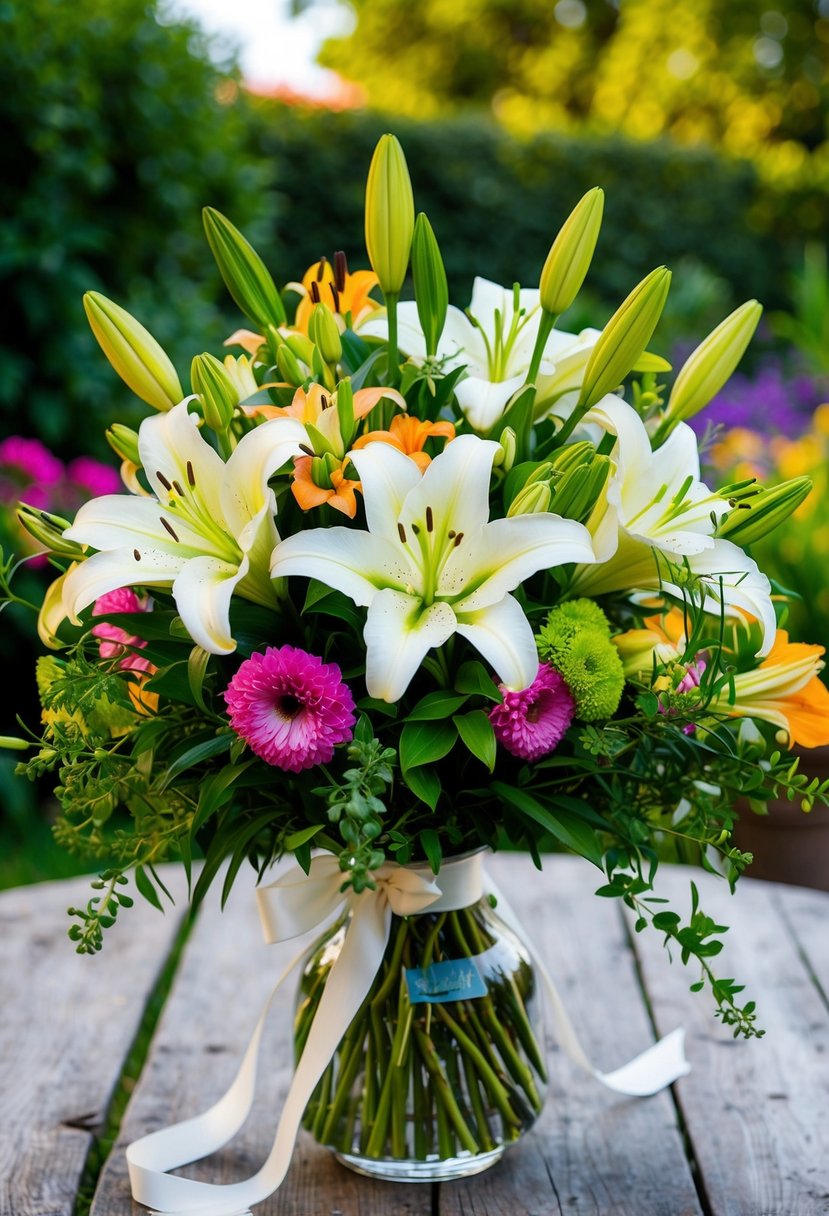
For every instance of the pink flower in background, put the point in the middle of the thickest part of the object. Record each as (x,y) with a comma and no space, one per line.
(94,478)
(290,707)
(532,723)
(115,639)
(29,469)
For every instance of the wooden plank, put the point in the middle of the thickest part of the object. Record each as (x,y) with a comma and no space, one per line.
(221,985)
(805,914)
(66,1025)
(756,1112)
(592,1151)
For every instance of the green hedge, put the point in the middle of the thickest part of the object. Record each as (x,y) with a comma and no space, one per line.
(495,202)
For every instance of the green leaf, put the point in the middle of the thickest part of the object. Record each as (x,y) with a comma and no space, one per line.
(196,670)
(425,742)
(146,888)
(297,839)
(566,826)
(195,755)
(476,731)
(321,598)
(666,921)
(424,784)
(473,678)
(215,791)
(648,702)
(439,704)
(430,842)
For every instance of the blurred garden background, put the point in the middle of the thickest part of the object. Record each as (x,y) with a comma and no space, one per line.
(707,127)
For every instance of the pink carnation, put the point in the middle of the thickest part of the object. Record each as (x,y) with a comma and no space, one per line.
(116,640)
(28,470)
(290,707)
(93,477)
(532,723)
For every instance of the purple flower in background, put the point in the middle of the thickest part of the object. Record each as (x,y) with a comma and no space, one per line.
(773,402)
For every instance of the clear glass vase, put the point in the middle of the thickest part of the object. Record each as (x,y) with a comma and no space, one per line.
(442,1068)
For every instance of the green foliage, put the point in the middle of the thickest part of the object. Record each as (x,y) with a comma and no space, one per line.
(114,138)
(576,639)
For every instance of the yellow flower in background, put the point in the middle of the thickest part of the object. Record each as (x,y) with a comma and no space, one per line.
(785,691)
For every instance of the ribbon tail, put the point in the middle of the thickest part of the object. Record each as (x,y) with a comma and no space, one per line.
(657,1067)
(347,986)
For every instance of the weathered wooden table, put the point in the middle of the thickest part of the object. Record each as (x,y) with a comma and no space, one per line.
(746,1134)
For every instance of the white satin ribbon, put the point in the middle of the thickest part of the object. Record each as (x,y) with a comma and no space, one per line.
(292,905)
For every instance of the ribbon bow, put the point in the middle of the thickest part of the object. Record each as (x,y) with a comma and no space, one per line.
(289,907)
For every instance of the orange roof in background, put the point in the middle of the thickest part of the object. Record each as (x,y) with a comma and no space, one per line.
(342,95)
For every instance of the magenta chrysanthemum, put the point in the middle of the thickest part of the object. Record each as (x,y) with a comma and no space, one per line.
(93,477)
(115,639)
(532,723)
(290,707)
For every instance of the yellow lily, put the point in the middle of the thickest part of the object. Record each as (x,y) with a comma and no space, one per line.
(334,285)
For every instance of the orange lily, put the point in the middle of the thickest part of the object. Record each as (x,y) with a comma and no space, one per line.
(340,495)
(344,293)
(247,339)
(784,690)
(662,636)
(318,406)
(409,436)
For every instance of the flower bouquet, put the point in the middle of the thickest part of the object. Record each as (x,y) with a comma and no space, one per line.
(398,584)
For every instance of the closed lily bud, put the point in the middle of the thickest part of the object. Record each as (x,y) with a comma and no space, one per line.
(133,352)
(48,530)
(288,365)
(572,455)
(712,363)
(302,347)
(245,274)
(325,335)
(389,215)
(345,410)
(624,338)
(430,286)
(756,516)
(534,499)
(214,386)
(575,493)
(505,456)
(571,254)
(124,442)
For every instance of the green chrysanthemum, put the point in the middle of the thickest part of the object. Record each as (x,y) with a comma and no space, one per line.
(576,641)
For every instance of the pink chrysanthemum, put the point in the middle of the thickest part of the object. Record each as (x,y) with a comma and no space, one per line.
(532,723)
(115,639)
(290,707)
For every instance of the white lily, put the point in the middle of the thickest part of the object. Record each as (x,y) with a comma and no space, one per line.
(494,340)
(655,503)
(208,533)
(432,564)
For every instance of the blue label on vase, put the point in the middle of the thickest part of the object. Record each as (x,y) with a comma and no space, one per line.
(454,980)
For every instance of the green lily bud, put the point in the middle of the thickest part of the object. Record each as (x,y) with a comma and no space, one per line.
(534,499)
(124,442)
(345,410)
(245,274)
(15,743)
(624,338)
(389,215)
(505,456)
(759,514)
(48,530)
(575,493)
(571,254)
(712,363)
(133,352)
(572,455)
(288,365)
(430,286)
(302,347)
(323,332)
(214,386)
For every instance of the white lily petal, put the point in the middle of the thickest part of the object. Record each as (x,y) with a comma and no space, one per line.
(633,449)
(456,488)
(257,540)
(484,401)
(116,520)
(353,562)
(488,296)
(202,592)
(257,456)
(167,443)
(509,551)
(461,343)
(502,634)
(744,587)
(387,476)
(399,631)
(410,339)
(104,572)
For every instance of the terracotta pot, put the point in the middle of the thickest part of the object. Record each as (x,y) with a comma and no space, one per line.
(788,844)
